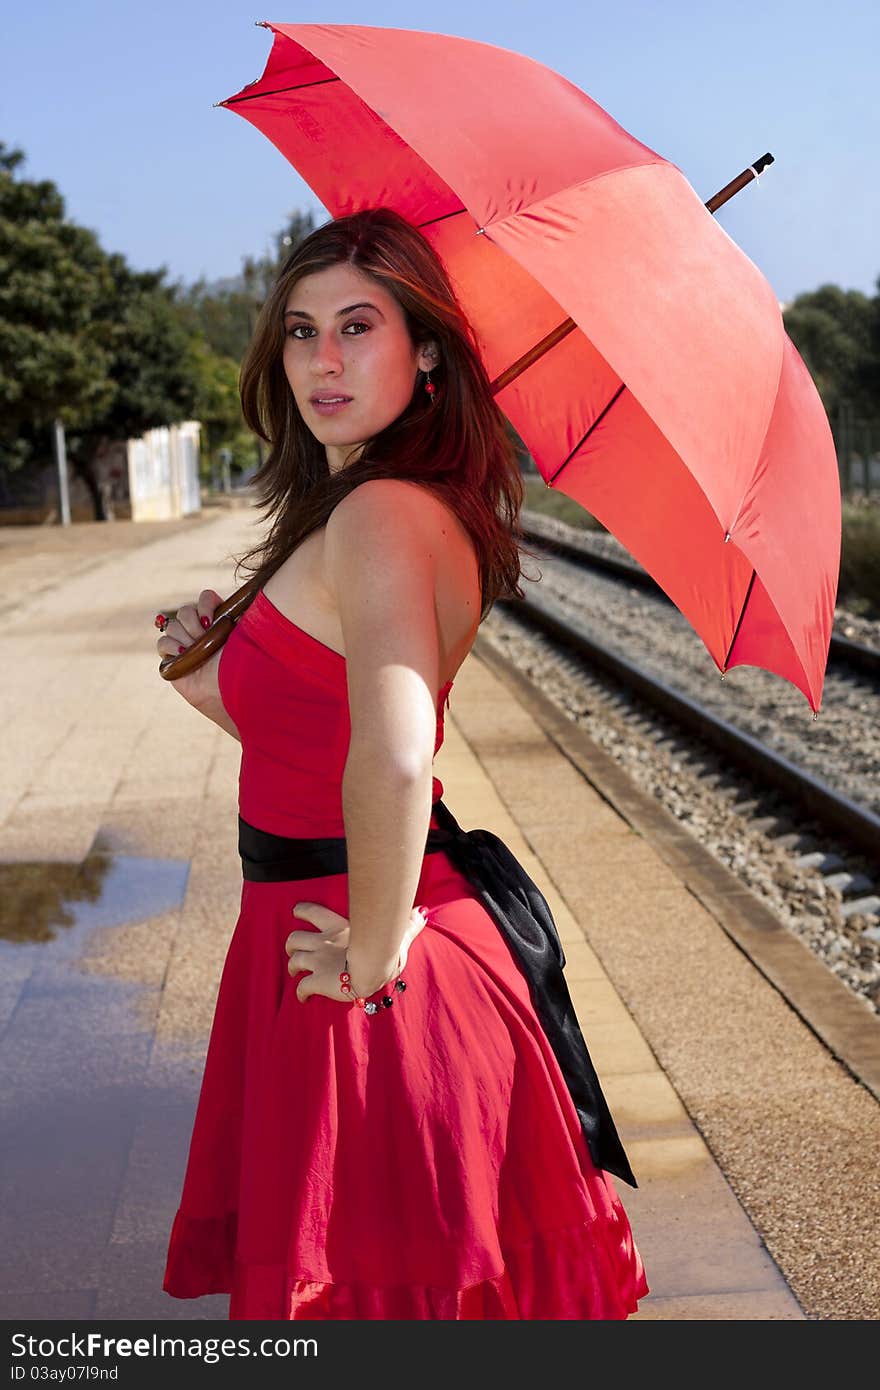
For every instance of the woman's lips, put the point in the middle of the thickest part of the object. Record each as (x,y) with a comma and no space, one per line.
(330,407)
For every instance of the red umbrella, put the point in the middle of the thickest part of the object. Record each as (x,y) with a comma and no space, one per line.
(637,351)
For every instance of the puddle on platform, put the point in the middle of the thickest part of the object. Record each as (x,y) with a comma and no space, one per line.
(46,902)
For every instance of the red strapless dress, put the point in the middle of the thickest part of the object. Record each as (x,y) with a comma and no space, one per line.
(427,1162)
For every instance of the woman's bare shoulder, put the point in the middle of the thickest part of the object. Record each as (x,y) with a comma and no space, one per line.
(385,505)
(458,591)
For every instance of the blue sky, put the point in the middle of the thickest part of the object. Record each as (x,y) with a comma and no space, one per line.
(114,103)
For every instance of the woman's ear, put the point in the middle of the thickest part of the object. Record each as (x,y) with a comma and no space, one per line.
(429,356)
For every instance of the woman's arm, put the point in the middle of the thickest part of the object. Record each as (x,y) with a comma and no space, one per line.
(381,565)
(386,821)
(216,712)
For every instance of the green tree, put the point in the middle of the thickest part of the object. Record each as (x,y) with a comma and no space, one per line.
(868,375)
(221,316)
(83,337)
(218,406)
(152,368)
(837,332)
(54,278)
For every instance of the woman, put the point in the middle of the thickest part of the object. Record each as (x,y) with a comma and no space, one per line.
(384,1129)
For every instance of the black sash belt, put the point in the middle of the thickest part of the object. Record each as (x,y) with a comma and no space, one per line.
(522,914)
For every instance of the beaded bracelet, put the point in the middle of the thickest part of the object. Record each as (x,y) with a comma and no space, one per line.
(369,1006)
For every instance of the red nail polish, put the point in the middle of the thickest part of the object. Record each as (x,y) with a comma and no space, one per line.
(180,650)
(205,621)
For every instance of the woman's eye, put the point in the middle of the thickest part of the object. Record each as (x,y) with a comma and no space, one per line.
(294,332)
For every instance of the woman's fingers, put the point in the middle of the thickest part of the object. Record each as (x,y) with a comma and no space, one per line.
(188,621)
(300,960)
(207,601)
(331,926)
(301,946)
(323,917)
(304,941)
(314,940)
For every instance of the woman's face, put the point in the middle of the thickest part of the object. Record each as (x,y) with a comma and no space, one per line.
(364,354)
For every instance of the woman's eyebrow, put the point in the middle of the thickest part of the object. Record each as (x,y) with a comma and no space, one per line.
(301,313)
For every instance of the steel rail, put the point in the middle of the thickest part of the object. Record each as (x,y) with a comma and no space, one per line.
(859,825)
(854,654)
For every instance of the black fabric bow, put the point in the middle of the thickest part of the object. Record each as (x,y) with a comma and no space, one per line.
(523,915)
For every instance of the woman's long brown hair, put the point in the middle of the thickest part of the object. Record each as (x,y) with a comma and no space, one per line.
(460,447)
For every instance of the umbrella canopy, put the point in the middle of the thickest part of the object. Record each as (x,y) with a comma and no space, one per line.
(637,351)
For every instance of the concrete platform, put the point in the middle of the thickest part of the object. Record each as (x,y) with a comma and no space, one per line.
(703,1257)
(106,1016)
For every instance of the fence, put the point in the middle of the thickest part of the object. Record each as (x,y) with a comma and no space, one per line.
(857,441)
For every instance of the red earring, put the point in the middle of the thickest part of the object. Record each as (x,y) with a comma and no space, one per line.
(430,387)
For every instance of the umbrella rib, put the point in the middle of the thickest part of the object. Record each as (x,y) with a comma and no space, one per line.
(741,616)
(521,364)
(581,442)
(257,96)
(442,218)
(537,350)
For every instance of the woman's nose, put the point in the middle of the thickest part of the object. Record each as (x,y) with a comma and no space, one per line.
(326,355)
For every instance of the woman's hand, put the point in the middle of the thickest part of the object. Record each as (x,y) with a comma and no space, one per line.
(322,953)
(200,687)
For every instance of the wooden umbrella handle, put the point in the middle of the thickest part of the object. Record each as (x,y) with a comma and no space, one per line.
(226,615)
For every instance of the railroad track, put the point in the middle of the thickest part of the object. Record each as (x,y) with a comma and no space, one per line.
(856,655)
(807,830)
(855,824)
